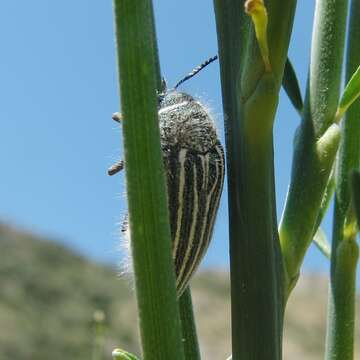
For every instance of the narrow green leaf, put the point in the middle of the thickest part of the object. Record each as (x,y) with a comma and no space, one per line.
(350,94)
(322,243)
(291,86)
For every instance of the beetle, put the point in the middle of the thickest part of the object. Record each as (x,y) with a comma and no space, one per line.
(194,165)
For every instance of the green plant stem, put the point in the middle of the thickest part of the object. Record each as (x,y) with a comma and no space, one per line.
(250,97)
(355,177)
(316,140)
(119,354)
(341,314)
(326,62)
(190,341)
(146,188)
(99,335)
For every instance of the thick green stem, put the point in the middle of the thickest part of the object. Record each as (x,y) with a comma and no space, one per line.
(341,316)
(326,61)
(255,283)
(190,341)
(146,189)
(316,140)
(250,97)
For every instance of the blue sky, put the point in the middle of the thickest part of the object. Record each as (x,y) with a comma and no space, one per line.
(58,89)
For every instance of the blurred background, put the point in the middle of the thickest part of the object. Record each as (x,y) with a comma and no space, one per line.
(60,212)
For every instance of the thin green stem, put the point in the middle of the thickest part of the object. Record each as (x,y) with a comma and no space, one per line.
(342,294)
(190,341)
(119,354)
(250,96)
(146,188)
(341,315)
(99,335)
(316,140)
(355,182)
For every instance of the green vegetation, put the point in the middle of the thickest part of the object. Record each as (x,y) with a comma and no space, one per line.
(54,304)
(49,294)
(265,257)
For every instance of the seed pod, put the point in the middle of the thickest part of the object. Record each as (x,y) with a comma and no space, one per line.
(194,165)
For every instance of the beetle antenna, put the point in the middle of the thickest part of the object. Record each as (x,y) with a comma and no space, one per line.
(196,70)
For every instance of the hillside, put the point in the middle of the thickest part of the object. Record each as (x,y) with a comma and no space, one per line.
(48,296)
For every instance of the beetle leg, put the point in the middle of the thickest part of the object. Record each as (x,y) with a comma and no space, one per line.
(117,167)
(117,117)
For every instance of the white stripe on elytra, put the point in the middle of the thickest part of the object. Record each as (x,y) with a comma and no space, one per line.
(172,107)
(220,176)
(192,229)
(205,160)
(182,157)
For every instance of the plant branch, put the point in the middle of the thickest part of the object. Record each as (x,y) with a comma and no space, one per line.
(317,138)
(341,314)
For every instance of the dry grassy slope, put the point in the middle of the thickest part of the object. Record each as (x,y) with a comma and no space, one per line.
(304,335)
(48,295)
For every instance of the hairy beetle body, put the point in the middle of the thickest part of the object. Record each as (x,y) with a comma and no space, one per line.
(194,164)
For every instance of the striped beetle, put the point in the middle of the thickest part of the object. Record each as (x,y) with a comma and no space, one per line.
(194,165)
